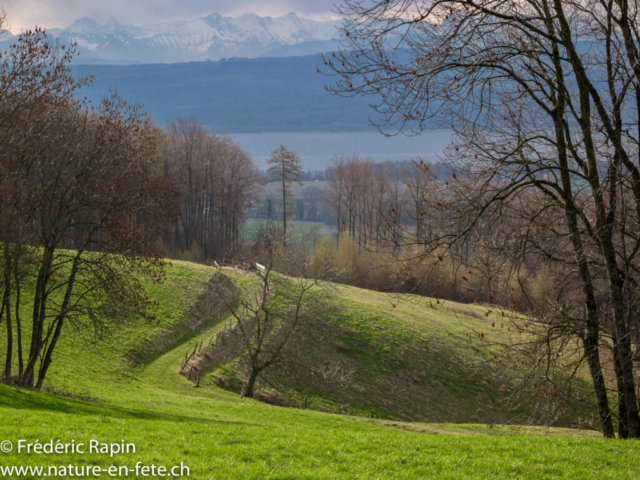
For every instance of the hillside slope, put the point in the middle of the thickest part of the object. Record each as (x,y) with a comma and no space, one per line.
(387,356)
(146,402)
(370,353)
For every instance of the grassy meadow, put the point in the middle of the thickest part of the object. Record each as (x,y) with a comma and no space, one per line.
(299,228)
(128,388)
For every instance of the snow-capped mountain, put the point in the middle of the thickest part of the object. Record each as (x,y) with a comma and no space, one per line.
(207,38)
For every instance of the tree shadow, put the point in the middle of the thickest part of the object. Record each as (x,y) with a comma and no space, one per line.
(22,399)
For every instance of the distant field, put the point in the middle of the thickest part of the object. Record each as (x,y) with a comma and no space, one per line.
(275,188)
(299,228)
(219,436)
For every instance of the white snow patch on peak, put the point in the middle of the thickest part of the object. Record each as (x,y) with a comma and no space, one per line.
(211,37)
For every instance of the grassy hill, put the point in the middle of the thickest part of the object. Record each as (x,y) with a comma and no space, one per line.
(131,391)
(377,354)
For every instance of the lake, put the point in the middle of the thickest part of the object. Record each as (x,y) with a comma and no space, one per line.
(317,150)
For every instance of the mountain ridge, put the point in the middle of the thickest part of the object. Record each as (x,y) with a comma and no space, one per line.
(212,37)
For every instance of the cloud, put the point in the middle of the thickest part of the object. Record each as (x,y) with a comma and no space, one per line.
(22,14)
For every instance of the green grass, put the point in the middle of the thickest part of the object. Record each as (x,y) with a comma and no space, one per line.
(300,227)
(217,435)
(401,356)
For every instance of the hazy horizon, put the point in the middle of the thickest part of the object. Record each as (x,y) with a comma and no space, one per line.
(24,14)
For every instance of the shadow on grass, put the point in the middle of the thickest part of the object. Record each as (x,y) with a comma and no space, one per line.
(207,312)
(21,399)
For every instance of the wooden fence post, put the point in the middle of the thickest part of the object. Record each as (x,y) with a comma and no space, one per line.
(184,362)
(244,388)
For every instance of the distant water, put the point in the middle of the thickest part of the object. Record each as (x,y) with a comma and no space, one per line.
(318,149)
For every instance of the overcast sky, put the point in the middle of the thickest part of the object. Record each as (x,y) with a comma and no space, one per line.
(60,13)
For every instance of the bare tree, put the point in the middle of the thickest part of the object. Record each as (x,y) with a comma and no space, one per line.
(82,201)
(269,309)
(95,203)
(539,95)
(285,166)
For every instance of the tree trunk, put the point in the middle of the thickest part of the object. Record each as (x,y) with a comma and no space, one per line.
(592,337)
(7,308)
(39,314)
(8,267)
(622,342)
(18,324)
(44,367)
(249,392)
(623,427)
(48,356)
(284,208)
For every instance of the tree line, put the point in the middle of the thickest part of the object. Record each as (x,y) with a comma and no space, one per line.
(215,182)
(361,193)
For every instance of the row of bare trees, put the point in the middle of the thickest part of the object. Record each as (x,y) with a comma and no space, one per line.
(358,190)
(215,181)
(361,193)
(542,96)
(82,200)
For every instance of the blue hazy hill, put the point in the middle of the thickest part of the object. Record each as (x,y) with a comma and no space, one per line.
(235,95)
